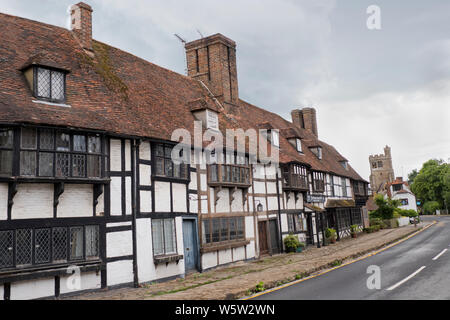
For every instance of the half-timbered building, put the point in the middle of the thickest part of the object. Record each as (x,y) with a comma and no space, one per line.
(88,186)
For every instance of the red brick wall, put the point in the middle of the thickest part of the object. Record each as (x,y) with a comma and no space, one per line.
(213,61)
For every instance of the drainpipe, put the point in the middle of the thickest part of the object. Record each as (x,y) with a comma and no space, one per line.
(133,212)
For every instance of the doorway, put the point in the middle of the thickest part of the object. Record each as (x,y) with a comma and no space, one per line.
(262,232)
(190,245)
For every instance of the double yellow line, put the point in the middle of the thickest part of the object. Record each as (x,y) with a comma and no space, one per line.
(343,265)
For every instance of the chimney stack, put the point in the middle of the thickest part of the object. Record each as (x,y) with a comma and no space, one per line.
(212,60)
(306,118)
(81,24)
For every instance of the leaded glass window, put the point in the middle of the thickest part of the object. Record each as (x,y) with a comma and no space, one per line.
(218,230)
(92,241)
(62,165)
(42,246)
(6,249)
(45,164)
(49,153)
(50,84)
(76,243)
(24,247)
(78,165)
(164,165)
(59,244)
(27,163)
(79,143)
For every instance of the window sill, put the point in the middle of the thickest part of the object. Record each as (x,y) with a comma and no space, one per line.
(168,259)
(171,179)
(224,246)
(54,104)
(31,179)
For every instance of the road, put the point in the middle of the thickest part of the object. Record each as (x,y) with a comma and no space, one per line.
(418,268)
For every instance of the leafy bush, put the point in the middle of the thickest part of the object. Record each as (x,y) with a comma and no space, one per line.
(291,243)
(354,228)
(378,222)
(330,234)
(260,287)
(430,207)
(407,213)
(372,229)
(385,207)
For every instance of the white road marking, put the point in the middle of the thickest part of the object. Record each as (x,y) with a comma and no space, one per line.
(406,279)
(440,254)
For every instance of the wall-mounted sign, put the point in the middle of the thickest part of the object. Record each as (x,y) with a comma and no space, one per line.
(315,198)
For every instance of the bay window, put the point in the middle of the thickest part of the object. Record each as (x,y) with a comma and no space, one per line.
(53,153)
(217,230)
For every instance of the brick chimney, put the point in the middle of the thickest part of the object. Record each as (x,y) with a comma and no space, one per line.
(213,61)
(81,24)
(306,118)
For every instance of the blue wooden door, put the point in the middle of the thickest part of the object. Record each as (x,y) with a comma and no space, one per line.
(190,245)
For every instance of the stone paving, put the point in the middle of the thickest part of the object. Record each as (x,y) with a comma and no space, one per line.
(240,279)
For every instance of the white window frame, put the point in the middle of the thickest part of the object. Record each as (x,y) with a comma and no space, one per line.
(275,135)
(299,145)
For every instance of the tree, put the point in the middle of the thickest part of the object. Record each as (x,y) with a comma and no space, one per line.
(412,176)
(432,183)
(385,209)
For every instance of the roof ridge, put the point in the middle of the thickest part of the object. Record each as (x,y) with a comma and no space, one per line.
(34,21)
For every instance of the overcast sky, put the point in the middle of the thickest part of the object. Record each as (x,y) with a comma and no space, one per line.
(371,88)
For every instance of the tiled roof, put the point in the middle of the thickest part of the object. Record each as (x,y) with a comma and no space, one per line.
(122,94)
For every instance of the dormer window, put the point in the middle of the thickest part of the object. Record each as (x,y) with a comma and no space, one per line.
(317,151)
(47,83)
(50,84)
(298,143)
(274,137)
(344,164)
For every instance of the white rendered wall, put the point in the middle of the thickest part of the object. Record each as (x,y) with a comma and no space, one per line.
(27,290)
(116,196)
(115,155)
(128,195)
(162,196)
(145,172)
(146,201)
(209,260)
(88,281)
(144,250)
(144,151)
(33,201)
(179,197)
(119,244)
(119,272)
(81,195)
